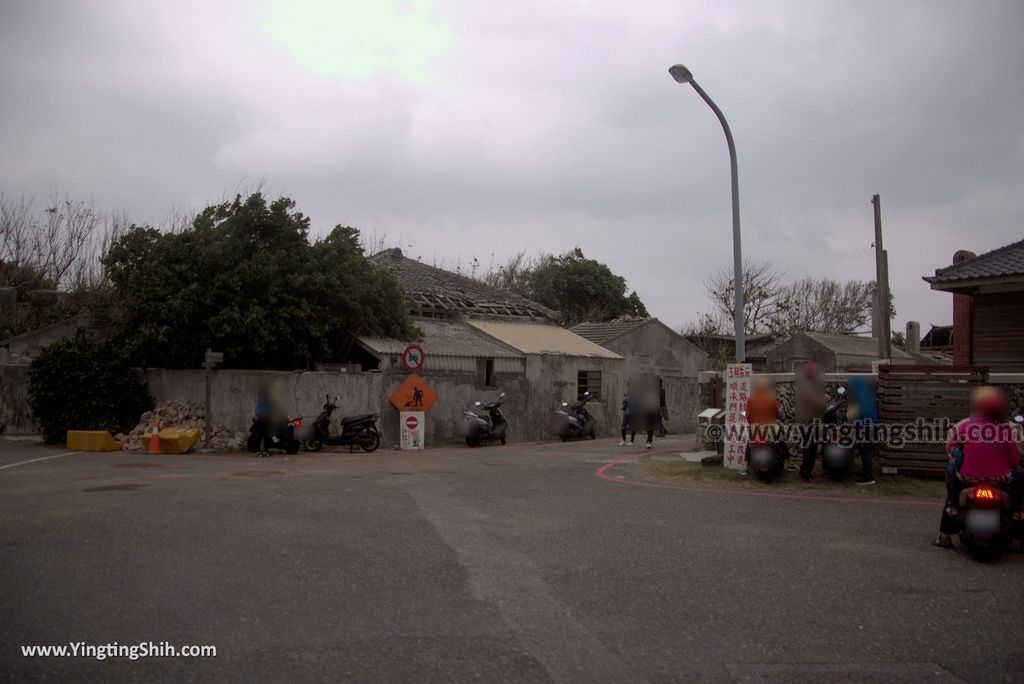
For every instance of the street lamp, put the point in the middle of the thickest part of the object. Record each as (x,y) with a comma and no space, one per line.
(682,75)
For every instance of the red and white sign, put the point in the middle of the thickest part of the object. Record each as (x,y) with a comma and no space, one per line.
(412,427)
(737,391)
(413,358)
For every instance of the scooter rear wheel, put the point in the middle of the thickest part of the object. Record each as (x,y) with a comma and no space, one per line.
(312,445)
(370,442)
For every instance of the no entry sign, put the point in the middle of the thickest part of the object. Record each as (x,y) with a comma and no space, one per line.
(412,427)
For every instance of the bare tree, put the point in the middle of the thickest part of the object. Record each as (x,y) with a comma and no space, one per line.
(823,306)
(775,307)
(762,285)
(59,248)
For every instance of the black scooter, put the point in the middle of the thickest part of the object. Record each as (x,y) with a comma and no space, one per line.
(573,422)
(356,431)
(260,442)
(836,457)
(479,427)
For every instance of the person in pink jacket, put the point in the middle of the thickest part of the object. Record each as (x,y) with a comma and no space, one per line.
(982,447)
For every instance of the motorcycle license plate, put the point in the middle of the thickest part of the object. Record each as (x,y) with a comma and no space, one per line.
(835,455)
(982,522)
(762,458)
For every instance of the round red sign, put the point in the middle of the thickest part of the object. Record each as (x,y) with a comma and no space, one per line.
(411,422)
(412,358)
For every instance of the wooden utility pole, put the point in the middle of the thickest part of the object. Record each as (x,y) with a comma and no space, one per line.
(881,286)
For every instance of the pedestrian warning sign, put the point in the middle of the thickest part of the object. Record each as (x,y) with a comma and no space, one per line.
(414,394)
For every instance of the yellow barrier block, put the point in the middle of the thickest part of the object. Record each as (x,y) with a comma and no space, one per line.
(92,440)
(177,441)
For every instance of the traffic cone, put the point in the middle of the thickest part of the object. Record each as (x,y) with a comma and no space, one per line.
(154,441)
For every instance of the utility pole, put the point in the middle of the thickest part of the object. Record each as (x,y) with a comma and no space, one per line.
(882,330)
(210,361)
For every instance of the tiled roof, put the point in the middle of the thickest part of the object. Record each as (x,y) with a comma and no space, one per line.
(1002,262)
(436,292)
(443,338)
(608,330)
(852,345)
(542,338)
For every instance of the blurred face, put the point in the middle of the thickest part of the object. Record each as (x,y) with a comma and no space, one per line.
(763,384)
(988,402)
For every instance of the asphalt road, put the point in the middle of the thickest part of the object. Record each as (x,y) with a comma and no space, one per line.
(499,564)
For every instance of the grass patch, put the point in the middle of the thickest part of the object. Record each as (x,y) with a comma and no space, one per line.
(887,486)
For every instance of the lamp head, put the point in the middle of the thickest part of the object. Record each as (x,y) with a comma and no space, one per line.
(680,73)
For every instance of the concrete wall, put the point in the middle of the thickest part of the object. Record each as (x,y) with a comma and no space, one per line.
(234,392)
(530,401)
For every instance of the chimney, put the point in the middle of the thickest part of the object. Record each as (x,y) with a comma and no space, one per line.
(913,338)
(962,334)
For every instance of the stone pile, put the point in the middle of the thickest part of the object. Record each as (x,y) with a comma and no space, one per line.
(182,415)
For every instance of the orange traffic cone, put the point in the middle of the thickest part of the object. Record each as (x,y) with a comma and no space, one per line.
(154,441)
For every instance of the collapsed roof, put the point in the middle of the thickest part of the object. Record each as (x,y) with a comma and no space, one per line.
(436,293)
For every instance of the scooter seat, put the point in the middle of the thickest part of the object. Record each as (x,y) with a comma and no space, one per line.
(348,420)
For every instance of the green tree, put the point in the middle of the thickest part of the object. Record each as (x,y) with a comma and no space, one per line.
(244,279)
(80,383)
(581,289)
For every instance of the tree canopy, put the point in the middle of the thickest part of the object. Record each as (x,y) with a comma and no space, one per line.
(581,289)
(244,279)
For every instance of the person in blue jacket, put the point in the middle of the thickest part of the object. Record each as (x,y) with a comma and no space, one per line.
(862,410)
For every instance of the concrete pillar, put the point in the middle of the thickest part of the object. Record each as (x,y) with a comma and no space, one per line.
(962,333)
(913,336)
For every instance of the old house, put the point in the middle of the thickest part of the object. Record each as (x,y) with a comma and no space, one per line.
(834,353)
(988,306)
(651,347)
(480,341)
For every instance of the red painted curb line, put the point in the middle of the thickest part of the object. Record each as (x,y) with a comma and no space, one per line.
(602,473)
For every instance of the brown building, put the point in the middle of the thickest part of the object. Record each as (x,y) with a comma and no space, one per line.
(988,306)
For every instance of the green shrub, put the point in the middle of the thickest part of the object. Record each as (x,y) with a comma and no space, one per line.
(80,383)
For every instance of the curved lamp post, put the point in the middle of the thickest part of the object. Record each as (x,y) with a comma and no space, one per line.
(682,75)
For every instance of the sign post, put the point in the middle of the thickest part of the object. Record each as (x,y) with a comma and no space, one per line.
(210,360)
(413,399)
(737,390)
(412,424)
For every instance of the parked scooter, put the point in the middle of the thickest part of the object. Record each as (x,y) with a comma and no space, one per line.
(765,459)
(575,421)
(281,437)
(836,457)
(356,431)
(485,424)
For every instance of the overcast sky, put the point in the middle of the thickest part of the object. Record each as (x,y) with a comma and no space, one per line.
(477,129)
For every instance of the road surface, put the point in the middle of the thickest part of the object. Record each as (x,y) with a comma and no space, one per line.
(509,563)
